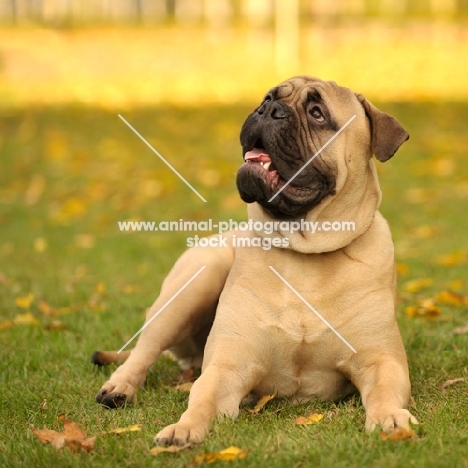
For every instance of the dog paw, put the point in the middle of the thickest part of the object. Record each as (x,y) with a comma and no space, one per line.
(116,395)
(180,434)
(399,418)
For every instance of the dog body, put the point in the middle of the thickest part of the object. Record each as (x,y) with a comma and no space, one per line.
(314,319)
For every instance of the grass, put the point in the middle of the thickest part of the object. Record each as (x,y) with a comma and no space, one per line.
(69,173)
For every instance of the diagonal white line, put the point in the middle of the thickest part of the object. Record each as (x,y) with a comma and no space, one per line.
(313,310)
(162,159)
(161,309)
(312,158)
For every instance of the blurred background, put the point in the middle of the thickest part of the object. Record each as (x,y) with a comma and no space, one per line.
(116,52)
(185,74)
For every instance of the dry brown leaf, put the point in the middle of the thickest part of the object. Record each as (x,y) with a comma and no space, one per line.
(170,449)
(450,382)
(229,454)
(72,436)
(401,433)
(313,418)
(262,401)
(121,430)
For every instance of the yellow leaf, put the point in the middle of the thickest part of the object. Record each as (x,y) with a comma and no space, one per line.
(402,269)
(401,433)
(6,324)
(25,319)
(24,302)
(425,308)
(170,449)
(417,284)
(456,285)
(100,288)
(262,401)
(423,232)
(455,258)
(84,241)
(411,311)
(40,245)
(451,298)
(313,418)
(121,430)
(229,454)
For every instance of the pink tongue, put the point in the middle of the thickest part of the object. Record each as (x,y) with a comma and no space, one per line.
(258,155)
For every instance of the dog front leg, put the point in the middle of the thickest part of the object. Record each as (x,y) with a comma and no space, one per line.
(217,392)
(385,391)
(188,313)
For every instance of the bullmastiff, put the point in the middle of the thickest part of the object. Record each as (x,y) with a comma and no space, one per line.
(303,313)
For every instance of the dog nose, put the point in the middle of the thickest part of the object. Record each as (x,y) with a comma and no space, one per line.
(277,111)
(272,109)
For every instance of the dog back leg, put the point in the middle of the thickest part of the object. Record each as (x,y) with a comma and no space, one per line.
(104,358)
(182,313)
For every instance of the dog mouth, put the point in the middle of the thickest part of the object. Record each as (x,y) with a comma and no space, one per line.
(260,156)
(259,160)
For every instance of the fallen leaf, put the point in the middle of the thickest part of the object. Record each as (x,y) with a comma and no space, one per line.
(121,430)
(21,319)
(401,433)
(40,245)
(425,308)
(448,383)
(417,284)
(55,325)
(455,258)
(73,436)
(423,232)
(170,449)
(313,418)
(6,324)
(84,241)
(24,302)
(451,298)
(45,308)
(229,454)
(402,269)
(262,401)
(456,284)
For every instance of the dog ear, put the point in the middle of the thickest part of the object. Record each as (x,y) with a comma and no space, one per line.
(387,135)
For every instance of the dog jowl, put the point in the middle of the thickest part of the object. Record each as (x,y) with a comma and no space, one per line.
(251,332)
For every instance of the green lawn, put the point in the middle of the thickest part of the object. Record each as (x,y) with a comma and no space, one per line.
(68,174)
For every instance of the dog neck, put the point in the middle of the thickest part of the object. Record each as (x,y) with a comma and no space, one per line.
(317,232)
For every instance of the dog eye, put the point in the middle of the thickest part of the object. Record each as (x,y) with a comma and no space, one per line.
(316,113)
(267,99)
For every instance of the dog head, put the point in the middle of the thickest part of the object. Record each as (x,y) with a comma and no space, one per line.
(294,157)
